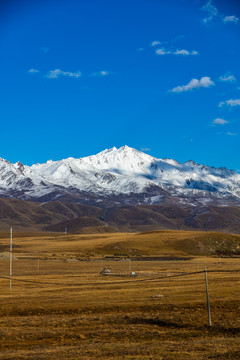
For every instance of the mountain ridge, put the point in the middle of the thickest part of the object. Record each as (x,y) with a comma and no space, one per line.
(120,176)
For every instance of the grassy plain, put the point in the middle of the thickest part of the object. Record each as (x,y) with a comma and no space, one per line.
(61,307)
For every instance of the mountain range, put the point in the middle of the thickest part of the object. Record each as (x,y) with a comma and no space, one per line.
(118,190)
(120,177)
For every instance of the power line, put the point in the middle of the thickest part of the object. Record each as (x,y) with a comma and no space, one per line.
(133,281)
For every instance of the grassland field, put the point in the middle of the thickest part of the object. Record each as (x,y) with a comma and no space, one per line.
(61,307)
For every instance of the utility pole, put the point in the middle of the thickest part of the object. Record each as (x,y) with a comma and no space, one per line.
(65,231)
(208,301)
(10,260)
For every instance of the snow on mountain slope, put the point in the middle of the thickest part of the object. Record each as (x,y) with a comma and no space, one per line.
(115,171)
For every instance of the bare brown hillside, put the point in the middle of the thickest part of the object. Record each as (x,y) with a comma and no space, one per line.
(79,218)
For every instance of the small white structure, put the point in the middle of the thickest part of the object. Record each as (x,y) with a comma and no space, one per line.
(105,271)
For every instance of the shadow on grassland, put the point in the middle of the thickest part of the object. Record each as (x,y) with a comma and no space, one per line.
(216,329)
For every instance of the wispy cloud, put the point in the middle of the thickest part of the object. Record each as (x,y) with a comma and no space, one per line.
(155,43)
(177,38)
(145,149)
(219,121)
(101,73)
(183,52)
(55,74)
(140,49)
(231,102)
(231,134)
(227,78)
(231,19)
(204,82)
(162,51)
(33,71)
(211,11)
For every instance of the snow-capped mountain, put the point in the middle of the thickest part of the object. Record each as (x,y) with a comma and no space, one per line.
(123,175)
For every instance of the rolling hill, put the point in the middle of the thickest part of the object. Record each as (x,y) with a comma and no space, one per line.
(81,218)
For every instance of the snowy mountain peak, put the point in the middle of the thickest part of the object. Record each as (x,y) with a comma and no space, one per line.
(126,150)
(107,151)
(124,160)
(124,172)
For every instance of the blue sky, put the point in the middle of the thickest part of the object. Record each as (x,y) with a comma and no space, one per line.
(79,76)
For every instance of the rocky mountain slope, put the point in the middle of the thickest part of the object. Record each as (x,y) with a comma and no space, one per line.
(123,176)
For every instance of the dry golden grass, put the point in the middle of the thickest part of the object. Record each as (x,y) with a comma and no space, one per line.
(155,243)
(67,310)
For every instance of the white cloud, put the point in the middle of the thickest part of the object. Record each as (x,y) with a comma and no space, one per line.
(185,52)
(54,74)
(194,52)
(211,10)
(231,19)
(104,73)
(235,102)
(33,71)
(227,78)
(231,134)
(182,52)
(204,82)
(140,49)
(101,73)
(212,13)
(155,43)
(219,121)
(162,51)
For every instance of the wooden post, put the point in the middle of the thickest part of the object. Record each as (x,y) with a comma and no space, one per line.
(10,261)
(208,301)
